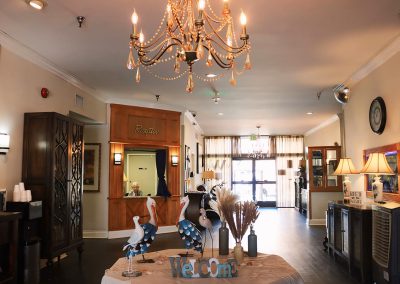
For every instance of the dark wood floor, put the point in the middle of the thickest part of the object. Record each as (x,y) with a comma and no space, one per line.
(280,231)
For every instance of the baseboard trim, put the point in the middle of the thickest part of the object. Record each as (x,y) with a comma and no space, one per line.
(127,233)
(316,222)
(93,234)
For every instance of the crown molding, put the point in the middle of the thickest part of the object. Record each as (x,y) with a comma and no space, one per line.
(32,56)
(324,124)
(384,55)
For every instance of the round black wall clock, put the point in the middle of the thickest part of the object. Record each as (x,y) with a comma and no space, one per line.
(377,115)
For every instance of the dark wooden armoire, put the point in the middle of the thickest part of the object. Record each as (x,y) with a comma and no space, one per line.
(52,170)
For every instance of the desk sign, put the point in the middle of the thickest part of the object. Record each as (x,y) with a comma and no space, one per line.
(203,268)
(357,197)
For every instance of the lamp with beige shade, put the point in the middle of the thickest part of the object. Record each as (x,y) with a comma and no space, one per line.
(377,165)
(345,168)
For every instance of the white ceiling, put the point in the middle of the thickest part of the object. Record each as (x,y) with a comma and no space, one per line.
(298,48)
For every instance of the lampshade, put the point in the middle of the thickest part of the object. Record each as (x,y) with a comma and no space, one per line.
(345,167)
(208,175)
(377,164)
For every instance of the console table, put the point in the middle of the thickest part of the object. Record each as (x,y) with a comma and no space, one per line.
(350,238)
(8,246)
(262,269)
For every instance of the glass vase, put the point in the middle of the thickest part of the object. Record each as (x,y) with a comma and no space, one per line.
(238,253)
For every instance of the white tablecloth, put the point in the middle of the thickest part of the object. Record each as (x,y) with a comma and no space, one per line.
(263,269)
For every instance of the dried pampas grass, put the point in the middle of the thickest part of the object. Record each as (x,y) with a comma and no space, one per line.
(226,198)
(239,216)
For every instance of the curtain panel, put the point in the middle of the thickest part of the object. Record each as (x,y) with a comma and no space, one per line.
(219,152)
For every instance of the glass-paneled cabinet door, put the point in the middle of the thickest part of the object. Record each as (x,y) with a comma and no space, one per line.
(331,164)
(317,169)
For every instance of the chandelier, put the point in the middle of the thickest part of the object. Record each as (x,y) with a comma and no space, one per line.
(187,32)
(257,145)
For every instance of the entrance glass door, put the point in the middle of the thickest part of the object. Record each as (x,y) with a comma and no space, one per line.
(255,180)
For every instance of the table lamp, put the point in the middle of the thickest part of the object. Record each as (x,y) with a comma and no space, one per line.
(345,168)
(377,165)
(208,175)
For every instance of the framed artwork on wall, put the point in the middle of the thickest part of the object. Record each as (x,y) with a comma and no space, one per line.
(91,167)
(390,182)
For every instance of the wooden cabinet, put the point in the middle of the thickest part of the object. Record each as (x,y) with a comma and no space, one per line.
(350,238)
(52,170)
(8,246)
(322,162)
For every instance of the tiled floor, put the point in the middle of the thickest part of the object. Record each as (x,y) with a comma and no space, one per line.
(280,231)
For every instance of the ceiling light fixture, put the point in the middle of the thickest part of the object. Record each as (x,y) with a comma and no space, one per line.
(220,113)
(309,113)
(211,75)
(37,4)
(257,145)
(189,31)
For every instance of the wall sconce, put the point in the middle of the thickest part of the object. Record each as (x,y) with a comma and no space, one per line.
(174,160)
(117,158)
(4,143)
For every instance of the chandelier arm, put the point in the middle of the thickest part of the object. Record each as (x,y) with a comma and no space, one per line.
(155,58)
(219,60)
(230,49)
(150,45)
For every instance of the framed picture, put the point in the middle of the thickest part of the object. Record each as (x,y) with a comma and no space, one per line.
(91,167)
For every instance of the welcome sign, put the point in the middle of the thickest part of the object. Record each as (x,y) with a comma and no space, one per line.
(203,268)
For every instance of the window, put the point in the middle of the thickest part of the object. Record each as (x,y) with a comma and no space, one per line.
(255,180)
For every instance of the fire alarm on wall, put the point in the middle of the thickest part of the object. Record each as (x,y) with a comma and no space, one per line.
(44,92)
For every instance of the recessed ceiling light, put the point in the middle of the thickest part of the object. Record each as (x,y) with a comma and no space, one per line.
(210,75)
(37,4)
(309,113)
(220,113)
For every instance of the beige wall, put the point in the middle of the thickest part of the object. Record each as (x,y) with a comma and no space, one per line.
(383,82)
(191,136)
(95,205)
(20,84)
(325,136)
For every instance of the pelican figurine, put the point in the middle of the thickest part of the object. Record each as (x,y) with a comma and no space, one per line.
(134,240)
(206,223)
(187,230)
(150,229)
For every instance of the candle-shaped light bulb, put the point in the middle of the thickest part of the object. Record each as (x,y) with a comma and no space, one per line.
(134,19)
(243,19)
(141,37)
(201,5)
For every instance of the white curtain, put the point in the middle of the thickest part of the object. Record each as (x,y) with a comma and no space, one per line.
(218,153)
(287,148)
(220,150)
